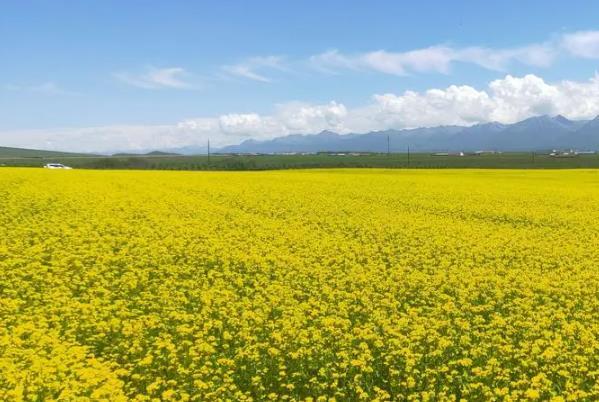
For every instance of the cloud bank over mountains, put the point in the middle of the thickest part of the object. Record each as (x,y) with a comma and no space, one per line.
(506,100)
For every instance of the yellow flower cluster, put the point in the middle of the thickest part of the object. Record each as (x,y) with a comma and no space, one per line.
(306,285)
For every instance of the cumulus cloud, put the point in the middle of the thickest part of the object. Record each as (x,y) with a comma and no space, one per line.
(157,78)
(462,105)
(301,117)
(505,100)
(252,68)
(293,117)
(247,124)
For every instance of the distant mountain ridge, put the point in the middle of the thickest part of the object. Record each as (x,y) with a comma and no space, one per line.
(539,133)
(11,152)
(532,134)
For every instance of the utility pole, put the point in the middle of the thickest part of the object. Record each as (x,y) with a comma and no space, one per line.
(408,156)
(533,157)
(208,150)
(388,146)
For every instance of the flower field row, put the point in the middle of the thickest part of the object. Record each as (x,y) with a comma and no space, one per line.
(299,285)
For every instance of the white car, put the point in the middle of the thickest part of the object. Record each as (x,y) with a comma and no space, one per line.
(56,166)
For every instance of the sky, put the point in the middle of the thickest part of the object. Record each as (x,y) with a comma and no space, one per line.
(107,76)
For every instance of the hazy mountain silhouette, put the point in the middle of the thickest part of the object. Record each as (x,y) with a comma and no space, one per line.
(533,134)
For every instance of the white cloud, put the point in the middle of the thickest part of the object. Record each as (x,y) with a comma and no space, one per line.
(302,117)
(252,67)
(462,105)
(506,100)
(157,78)
(234,124)
(518,98)
(432,59)
(582,44)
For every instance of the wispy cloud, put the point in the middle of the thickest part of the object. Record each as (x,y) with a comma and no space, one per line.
(583,44)
(536,55)
(434,59)
(441,58)
(157,78)
(245,72)
(46,88)
(256,68)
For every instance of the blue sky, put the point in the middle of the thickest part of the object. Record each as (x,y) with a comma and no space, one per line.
(85,73)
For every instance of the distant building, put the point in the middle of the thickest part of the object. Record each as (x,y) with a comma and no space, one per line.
(449,154)
(570,153)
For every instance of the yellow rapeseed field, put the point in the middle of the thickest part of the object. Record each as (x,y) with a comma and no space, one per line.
(316,285)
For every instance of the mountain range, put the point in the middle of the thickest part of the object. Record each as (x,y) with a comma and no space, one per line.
(9,152)
(533,134)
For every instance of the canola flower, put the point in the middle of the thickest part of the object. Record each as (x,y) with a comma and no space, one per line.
(299,285)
